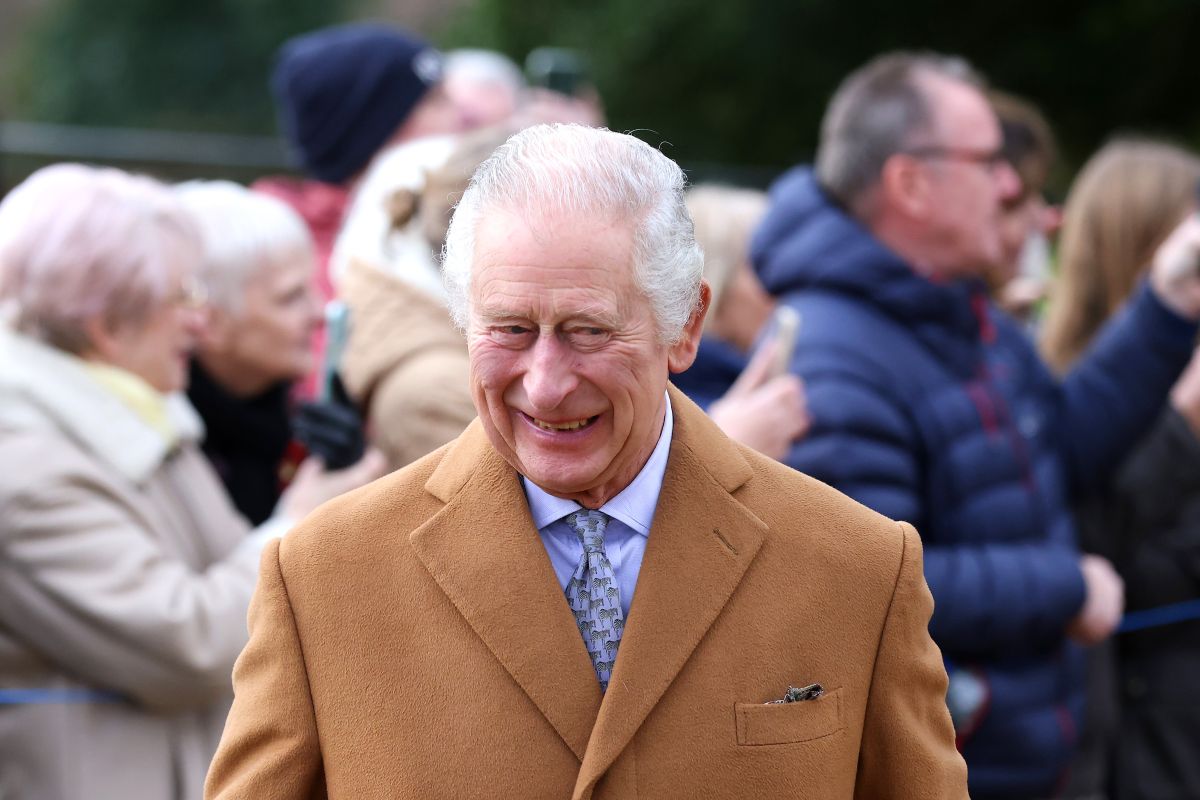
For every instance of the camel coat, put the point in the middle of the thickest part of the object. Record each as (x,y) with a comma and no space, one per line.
(405,363)
(125,575)
(410,640)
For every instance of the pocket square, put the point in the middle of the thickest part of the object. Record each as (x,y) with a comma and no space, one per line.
(798,694)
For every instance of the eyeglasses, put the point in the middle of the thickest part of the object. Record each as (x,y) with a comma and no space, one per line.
(991,159)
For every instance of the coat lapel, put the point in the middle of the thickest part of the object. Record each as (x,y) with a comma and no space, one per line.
(700,545)
(484,552)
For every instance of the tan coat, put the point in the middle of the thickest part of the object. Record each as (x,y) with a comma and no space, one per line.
(410,640)
(406,363)
(124,570)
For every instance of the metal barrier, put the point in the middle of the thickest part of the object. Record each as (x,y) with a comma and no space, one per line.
(25,146)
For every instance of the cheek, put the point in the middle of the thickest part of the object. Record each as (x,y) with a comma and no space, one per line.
(492,368)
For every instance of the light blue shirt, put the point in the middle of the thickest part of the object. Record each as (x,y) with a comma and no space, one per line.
(631,512)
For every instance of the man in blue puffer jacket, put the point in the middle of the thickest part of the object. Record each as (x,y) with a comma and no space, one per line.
(931,406)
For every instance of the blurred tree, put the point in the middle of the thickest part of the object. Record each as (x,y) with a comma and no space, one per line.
(747,82)
(160,63)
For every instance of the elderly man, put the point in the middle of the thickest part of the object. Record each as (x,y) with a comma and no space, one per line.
(592,593)
(930,406)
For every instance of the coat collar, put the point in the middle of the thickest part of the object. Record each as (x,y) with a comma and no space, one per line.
(41,385)
(483,551)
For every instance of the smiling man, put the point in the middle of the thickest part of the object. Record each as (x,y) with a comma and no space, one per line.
(592,593)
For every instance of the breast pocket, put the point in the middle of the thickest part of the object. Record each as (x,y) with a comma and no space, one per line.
(786,723)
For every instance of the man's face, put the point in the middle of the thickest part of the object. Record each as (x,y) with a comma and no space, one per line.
(567,370)
(969,181)
(483,102)
(436,114)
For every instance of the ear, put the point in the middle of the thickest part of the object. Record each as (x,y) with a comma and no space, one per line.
(681,354)
(904,186)
(105,337)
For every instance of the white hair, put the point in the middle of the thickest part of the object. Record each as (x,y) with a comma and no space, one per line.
(484,66)
(244,233)
(368,234)
(77,242)
(587,172)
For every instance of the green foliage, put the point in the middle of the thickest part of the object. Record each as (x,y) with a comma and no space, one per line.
(176,64)
(747,82)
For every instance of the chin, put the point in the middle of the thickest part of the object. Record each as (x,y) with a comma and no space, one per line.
(558,478)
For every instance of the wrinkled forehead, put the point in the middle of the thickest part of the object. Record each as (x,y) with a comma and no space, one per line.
(561,254)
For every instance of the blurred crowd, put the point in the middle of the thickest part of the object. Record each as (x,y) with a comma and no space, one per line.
(188,370)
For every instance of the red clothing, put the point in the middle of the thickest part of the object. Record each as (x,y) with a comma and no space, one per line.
(322,207)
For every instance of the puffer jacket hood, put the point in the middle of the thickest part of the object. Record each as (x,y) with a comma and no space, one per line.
(807,242)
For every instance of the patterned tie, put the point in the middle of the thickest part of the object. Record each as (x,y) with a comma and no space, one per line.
(593,595)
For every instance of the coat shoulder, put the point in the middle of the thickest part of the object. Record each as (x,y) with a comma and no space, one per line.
(362,524)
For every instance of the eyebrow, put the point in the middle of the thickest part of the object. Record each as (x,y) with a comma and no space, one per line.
(595,313)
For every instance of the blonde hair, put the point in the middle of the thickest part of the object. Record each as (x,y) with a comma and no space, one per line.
(243,233)
(79,242)
(724,219)
(1126,200)
(432,204)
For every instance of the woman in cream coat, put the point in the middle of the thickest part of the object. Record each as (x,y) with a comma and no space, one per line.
(125,573)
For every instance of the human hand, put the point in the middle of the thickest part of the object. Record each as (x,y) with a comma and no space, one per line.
(1019,296)
(314,484)
(331,429)
(1175,270)
(1103,604)
(762,410)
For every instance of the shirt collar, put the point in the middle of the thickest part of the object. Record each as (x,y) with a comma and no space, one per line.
(634,505)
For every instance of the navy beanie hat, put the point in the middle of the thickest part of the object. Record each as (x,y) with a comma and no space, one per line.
(341,92)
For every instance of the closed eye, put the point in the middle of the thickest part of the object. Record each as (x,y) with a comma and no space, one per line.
(587,335)
(511,335)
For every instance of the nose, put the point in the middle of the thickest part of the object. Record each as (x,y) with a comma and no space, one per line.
(195,320)
(549,378)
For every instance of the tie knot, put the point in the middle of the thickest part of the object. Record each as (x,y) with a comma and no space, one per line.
(589,526)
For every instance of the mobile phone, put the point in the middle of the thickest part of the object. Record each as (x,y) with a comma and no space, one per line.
(558,69)
(785,328)
(337,333)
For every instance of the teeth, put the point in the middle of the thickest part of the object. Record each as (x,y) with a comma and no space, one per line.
(561,426)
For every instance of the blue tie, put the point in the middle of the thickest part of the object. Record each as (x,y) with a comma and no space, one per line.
(594,596)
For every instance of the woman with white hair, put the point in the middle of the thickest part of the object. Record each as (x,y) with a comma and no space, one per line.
(125,573)
(259,265)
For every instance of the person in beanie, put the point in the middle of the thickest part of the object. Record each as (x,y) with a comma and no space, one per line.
(343,94)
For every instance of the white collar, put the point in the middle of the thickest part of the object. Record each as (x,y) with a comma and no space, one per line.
(634,505)
(40,384)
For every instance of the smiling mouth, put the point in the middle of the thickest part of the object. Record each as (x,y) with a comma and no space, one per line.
(572,425)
